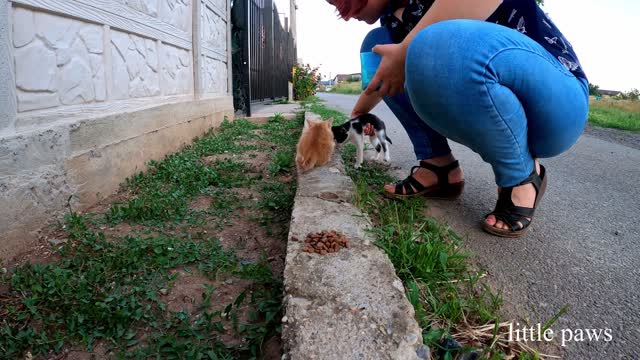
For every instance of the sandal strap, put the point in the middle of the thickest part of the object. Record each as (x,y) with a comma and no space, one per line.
(410,185)
(514,215)
(534,179)
(510,214)
(442,172)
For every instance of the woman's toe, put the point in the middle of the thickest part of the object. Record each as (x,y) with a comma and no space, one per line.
(389,188)
(490,220)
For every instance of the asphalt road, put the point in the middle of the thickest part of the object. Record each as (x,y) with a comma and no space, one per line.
(583,248)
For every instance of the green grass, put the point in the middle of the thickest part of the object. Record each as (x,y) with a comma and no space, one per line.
(109,290)
(314,104)
(446,293)
(164,191)
(106,290)
(348,88)
(613,117)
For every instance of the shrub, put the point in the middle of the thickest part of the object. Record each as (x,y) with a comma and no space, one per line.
(305,81)
(594,89)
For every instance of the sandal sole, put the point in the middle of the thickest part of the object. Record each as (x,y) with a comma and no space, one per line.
(504,233)
(452,193)
(518,233)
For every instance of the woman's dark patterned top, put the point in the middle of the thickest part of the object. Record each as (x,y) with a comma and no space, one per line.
(524,16)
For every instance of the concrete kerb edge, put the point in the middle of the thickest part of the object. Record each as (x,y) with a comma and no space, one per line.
(349,304)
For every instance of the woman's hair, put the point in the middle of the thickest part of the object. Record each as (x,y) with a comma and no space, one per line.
(348,8)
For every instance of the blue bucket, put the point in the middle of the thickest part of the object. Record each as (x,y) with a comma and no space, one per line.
(369,62)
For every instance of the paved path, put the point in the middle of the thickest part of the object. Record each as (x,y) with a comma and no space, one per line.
(583,249)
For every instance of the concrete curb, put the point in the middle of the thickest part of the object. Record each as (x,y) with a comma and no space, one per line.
(349,304)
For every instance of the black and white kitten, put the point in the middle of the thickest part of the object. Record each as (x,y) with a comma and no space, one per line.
(353,130)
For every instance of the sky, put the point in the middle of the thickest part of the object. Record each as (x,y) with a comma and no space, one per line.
(604,33)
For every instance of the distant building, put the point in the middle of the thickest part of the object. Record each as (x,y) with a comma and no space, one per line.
(609,92)
(329,82)
(346,77)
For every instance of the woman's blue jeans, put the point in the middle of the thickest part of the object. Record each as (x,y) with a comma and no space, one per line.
(490,88)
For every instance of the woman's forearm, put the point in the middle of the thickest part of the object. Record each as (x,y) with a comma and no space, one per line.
(365,103)
(453,9)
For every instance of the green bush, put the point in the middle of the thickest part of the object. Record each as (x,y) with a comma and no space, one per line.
(305,81)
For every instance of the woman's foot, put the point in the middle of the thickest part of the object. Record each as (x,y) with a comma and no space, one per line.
(521,196)
(428,178)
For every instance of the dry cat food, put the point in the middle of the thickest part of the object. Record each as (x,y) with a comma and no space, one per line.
(325,242)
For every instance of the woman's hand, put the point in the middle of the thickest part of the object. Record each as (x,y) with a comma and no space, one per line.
(368,129)
(356,112)
(391,70)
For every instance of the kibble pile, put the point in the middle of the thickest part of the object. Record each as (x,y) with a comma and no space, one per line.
(325,242)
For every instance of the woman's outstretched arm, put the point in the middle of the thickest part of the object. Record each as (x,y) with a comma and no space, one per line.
(365,103)
(391,70)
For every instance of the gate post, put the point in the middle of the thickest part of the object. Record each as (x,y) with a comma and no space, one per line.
(246,55)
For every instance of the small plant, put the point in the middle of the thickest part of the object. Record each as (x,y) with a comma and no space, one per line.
(277,117)
(594,90)
(282,162)
(305,81)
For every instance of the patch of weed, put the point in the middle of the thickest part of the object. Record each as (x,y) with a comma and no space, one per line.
(99,290)
(282,161)
(164,191)
(109,291)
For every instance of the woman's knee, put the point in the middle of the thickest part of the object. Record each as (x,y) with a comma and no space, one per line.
(377,36)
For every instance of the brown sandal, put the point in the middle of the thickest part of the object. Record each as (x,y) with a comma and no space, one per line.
(410,187)
(516,217)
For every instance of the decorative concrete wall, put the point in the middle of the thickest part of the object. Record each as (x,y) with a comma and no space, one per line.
(212,48)
(82,52)
(90,90)
(58,61)
(134,66)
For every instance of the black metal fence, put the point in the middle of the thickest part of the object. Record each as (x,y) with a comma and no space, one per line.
(264,53)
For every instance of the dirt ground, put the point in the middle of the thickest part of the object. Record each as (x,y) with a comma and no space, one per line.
(241,232)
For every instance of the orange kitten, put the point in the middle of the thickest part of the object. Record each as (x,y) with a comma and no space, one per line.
(315,146)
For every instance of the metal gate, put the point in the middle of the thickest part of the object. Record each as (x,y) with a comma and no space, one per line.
(264,53)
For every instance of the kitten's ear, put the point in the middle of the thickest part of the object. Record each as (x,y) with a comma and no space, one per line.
(329,122)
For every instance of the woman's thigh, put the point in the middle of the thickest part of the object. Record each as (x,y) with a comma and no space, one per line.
(475,82)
